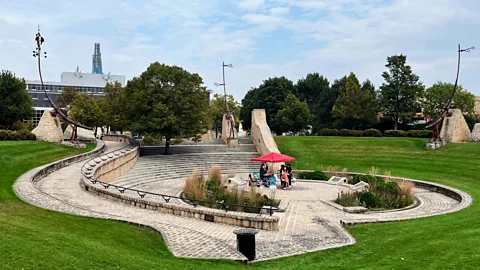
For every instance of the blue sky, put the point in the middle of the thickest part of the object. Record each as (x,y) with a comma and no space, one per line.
(261,38)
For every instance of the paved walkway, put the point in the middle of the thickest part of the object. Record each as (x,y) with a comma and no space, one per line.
(309,224)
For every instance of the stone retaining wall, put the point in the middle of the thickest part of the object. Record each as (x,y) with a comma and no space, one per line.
(114,168)
(116,138)
(100,148)
(119,164)
(248,220)
(434,187)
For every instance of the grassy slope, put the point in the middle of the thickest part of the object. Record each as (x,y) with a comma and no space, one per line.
(33,238)
(36,238)
(446,241)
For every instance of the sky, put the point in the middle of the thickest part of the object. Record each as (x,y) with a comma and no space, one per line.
(260,38)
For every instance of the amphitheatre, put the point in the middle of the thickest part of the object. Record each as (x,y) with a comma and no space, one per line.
(120,181)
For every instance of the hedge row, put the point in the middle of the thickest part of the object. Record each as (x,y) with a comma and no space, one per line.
(316,175)
(10,135)
(375,133)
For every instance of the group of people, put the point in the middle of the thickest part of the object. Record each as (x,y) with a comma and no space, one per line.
(285,172)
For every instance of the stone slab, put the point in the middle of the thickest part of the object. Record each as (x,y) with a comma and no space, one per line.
(49,128)
(455,128)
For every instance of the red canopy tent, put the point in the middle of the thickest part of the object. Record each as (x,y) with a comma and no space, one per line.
(274,157)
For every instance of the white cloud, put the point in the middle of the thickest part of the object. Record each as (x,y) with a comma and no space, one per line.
(251,4)
(331,37)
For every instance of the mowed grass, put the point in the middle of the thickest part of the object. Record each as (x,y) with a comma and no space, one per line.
(442,242)
(33,238)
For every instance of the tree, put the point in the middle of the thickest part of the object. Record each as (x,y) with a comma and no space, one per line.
(326,100)
(294,116)
(316,92)
(270,95)
(15,104)
(115,103)
(437,95)
(355,108)
(65,100)
(311,88)
(402,90)
(168,101)
(87,110)
(217,110)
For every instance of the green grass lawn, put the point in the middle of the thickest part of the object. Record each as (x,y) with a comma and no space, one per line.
(33,238)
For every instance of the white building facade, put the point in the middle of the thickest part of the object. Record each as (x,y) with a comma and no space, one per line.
(92,84)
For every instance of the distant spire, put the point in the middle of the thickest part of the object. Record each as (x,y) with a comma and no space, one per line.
(97,60)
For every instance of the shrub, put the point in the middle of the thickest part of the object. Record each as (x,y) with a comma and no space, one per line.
(348,199)
(18,126)
(356,133)
(345,132)
(32,137)
(29,126)
(328,132)
(369,179)
(151,140)
(10,135)
(368,199)
(395,133)
(420,133)
(14,136)
(372,133)
(3,135)
(316,175)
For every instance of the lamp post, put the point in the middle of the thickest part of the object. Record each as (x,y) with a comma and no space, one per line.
(228,116)
(223,84)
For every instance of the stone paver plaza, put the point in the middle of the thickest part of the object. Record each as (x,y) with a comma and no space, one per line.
(309,223)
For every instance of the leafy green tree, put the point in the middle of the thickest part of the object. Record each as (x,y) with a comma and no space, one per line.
(355,108)
(15,104)
(249,103)
(437,95)
(168,101)
(400,94)
(65,100)
(323,108)
(316,92)
(87,110)
(270,95)
(294,116)
(217,110)
(114,105)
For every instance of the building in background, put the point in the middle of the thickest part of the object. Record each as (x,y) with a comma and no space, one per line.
(90,83)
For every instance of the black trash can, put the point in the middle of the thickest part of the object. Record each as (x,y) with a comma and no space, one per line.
(246,242)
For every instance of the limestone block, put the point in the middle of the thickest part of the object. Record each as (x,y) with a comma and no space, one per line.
(455,128)
(83,134)
(262,137)
(49,128)
(475,133)
(226,129)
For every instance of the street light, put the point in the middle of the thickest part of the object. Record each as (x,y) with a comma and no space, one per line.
(223,84)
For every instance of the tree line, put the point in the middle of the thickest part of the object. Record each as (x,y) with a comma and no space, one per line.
(347,103)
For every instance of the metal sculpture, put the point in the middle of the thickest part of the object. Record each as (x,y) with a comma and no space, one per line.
(229,117)
(446,109)
(38,54)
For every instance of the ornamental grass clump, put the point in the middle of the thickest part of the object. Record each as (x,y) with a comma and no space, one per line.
(195,186)
(216,194)
(215,175)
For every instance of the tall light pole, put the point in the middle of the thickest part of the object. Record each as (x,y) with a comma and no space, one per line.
(224,87)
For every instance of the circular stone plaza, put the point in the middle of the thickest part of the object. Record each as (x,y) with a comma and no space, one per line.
(141,186)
